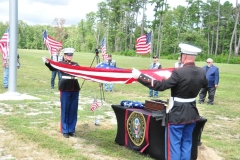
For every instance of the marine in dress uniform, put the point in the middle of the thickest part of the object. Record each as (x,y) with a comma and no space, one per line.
(69,93)
(185,84)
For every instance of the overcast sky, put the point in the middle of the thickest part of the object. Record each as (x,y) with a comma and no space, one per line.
(44,11)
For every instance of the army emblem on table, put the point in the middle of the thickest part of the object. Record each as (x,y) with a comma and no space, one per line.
(136,126)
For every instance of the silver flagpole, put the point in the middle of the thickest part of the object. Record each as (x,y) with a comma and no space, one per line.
(13,36)
(151,52)
(13,41)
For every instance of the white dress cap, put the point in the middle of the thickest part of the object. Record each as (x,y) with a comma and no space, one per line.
(189,49)
(68,50)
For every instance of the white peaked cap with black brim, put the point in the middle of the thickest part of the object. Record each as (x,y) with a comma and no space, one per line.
(68,51)
(189,49)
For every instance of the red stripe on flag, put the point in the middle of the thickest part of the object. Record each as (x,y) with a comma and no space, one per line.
(108,75)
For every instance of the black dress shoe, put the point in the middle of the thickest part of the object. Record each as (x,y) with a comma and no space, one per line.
(72,135)
(66,135)
(209,103)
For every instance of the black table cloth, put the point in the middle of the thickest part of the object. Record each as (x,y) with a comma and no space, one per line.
(154,142)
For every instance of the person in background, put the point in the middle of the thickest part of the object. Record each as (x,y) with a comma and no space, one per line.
(110,62)
(178,64)
(69,92)
(5,65)
(182,113)
(56,57)
(212,74)
(154,65)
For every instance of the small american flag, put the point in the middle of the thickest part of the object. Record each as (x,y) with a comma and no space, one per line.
(51,44)
(104,49)
(4,44)
(143,44)
(94,105)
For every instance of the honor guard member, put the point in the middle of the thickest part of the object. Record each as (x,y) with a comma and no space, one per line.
(69,93)
(57,58)
(185,84)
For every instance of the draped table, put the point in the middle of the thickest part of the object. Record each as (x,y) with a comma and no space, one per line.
(139,130)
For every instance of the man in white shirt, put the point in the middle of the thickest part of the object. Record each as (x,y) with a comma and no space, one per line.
(178,64)
(56,57)
(154,65)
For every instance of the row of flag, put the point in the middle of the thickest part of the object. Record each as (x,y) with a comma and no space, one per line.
(143,44)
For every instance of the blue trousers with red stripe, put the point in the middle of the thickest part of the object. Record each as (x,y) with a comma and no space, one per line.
(69,111)
(179,141)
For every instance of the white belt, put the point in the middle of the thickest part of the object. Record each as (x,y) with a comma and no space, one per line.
(172,99)
(184,99)
(68,77)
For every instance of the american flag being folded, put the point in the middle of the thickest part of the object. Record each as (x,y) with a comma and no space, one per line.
(108,75)
(94,105)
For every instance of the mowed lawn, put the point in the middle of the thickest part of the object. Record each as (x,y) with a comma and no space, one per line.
(37,121)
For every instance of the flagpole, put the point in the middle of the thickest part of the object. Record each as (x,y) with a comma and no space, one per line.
(151,51)
(13,36)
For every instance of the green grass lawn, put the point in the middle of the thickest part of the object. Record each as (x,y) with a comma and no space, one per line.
(221,131)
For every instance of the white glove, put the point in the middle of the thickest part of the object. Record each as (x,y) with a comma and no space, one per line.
(135,73)
(44,59)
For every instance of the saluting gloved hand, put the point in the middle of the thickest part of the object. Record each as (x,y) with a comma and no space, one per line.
(135,73)
(45,60)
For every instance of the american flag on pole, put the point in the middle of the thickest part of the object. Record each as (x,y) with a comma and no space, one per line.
(94,105)
(4,44)
(51,43)
(104,49)
(143,44)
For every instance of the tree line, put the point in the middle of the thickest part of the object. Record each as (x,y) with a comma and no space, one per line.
(210,25)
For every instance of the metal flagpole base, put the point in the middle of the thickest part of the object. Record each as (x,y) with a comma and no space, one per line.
(11,94)
(16,96)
